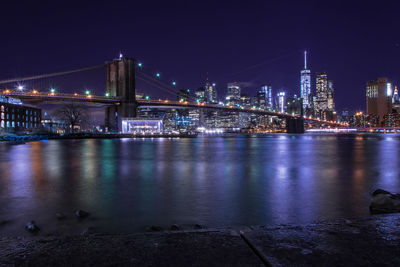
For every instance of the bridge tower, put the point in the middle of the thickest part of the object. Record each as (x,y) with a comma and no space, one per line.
(120,83)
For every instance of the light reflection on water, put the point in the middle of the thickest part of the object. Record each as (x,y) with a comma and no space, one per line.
(129,184)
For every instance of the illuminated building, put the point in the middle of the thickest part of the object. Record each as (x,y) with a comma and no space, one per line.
(267,89)
(261,100)
(15,117)
(233,94)
(200,95)
(142,126)
(210,93)
(395,98)
(305,83)
(183,95)
(379,98)
(245,101)
(331,102)
(321,98)
(281,102)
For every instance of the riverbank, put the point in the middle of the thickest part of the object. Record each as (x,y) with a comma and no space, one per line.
(368,241)
(17,139)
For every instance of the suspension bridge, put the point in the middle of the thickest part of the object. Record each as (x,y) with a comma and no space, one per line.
(120,96)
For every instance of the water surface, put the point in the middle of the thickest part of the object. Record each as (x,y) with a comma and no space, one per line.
(129,184)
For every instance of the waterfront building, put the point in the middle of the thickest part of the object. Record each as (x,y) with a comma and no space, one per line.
(267,89)
(183,95)
(16,117)
(281,102)
(321,98)
(233,94)
(379,98)
(142,126)
(305,83)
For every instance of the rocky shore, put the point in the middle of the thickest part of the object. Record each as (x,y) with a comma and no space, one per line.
(369,241)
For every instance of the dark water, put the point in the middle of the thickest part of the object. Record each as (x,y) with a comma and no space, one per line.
(129,184)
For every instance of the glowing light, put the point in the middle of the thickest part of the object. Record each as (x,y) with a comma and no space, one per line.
(52,90)
(158,75)
(87,92)
(147,97)
(20,87)
(173,83)
(140,64)
(107,94)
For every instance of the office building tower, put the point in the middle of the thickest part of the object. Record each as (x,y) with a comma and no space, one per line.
(267,89)
(210,93)
(281,102)
(379,98)
(331,102)
(305,83)
(233,94)
(200,95)
(321,103)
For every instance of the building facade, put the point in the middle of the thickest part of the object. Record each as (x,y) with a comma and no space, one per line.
(305,83)
(15,117)
(233,94)
(379,98)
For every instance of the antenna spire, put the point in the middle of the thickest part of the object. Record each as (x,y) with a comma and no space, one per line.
(305,60)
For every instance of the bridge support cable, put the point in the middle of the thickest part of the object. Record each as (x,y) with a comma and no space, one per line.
(156,83)
(42,76)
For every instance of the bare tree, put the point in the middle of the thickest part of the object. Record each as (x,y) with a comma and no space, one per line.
(72,115)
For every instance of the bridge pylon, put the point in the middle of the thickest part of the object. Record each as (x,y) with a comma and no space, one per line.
(295,125)
(120,82)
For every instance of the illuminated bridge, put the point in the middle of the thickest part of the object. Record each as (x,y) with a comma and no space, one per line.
(120,96)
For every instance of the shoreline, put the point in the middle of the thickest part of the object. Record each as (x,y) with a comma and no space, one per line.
(370,240)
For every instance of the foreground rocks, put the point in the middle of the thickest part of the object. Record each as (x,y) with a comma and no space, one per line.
(370,241)
(384,202)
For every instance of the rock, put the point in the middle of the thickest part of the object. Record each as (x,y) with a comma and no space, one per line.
(380,191)
(32,227)
(81,214)
(60,216)
(175,227)
(385,203)
(155,228)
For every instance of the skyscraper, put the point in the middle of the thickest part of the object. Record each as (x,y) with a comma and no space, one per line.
(281,102)
(267,89)
(379,98)
(305,83)
(331,102)
(321,101)
(233,94)
(210,93)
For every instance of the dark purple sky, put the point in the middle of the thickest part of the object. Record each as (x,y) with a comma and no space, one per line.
(253,42)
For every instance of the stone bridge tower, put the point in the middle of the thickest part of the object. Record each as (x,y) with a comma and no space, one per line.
(120,83)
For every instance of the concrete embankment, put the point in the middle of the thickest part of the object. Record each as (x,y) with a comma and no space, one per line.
(369,241)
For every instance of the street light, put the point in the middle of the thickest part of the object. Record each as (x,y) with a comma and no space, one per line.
(52,90)
(87,92)
(158,75)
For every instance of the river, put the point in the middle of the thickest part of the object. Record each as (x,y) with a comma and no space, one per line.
(130,184)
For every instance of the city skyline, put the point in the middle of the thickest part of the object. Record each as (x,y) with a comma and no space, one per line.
(266,49)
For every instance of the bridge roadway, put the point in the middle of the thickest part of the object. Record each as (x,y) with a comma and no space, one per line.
(36,96)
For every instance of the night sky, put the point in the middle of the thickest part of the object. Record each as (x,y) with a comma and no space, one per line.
(252,42)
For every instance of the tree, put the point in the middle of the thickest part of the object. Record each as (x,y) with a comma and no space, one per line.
(72,115)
